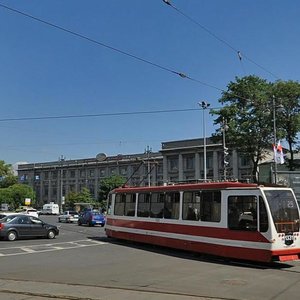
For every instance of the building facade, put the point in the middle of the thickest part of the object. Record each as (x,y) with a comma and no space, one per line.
(177,161)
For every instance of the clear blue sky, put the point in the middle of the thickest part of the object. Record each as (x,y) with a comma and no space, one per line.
(48,72)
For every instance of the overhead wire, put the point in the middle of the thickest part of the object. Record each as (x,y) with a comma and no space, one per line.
(99,115)
(180,74)
(239,54)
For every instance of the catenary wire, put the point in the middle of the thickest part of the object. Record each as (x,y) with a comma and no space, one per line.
(180,74)
(239,53)
(100,115)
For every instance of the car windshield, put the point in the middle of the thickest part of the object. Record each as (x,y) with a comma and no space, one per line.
(284,210)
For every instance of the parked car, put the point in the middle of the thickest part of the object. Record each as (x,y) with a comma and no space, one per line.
(69,216)
(27,210)
(15,226)
(91,218)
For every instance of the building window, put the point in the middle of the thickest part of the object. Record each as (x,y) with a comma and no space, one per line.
(113,171)
(173,164)
(92,173)
(102,172)
(123,170)
(82,173)
(189,162)
(244,161)
(72,174)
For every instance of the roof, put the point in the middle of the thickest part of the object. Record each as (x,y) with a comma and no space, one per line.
(188,186)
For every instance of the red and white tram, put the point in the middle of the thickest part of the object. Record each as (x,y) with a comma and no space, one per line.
(228,219)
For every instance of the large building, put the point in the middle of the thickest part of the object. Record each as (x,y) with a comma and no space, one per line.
(177,161)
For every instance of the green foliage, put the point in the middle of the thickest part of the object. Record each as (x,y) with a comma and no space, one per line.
(248,117)
(108,184)
(8,181)
(5,169)
(11,192)
(82,197)
(249,113)
(15,195)
(287,96)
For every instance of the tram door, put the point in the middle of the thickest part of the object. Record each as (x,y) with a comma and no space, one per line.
(242,210)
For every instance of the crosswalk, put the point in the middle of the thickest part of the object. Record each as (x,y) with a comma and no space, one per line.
(30,249)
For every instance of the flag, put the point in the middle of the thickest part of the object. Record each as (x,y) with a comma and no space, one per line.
(278,154)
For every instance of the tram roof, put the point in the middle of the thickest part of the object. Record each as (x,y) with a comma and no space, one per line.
(187,186)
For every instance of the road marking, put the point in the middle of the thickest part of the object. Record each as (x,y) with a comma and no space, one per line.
(21,250)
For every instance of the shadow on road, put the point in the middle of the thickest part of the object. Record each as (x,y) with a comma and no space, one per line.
(184,254)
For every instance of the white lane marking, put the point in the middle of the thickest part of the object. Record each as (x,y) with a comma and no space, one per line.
(21,250)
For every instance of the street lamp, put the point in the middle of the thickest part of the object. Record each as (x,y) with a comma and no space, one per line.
(204,105)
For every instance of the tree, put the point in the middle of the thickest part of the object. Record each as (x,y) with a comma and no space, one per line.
(248,116)
(108,184)
(7,176)
(82,197)
(5,169)
(8,181)
(15,195)
(286,100)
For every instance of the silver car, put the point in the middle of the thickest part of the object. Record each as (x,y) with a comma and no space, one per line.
(69,216)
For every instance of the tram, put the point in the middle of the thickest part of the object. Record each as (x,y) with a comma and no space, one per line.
(227,219)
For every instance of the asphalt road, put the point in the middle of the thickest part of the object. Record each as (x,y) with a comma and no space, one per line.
(81,263)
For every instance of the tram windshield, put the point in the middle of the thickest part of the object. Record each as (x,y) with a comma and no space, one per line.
(284,210)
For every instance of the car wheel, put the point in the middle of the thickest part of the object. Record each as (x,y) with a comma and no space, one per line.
(51,234)
(12,236)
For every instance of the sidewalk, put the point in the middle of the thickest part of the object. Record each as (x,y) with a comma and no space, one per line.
(20,290)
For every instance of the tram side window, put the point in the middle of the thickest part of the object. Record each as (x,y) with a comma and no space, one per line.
(143,209)
(191,206)
(263,216)
(157,205)
(125,204)
(120,201)
(109,204)
(242,212)
(210,209)
(130,205)
(171,207)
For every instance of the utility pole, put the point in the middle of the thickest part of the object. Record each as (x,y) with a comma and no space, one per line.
(148,150)
(224,128)
(204,105)
(275,139)
(61,200)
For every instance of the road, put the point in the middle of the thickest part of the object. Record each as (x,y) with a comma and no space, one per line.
(81,263)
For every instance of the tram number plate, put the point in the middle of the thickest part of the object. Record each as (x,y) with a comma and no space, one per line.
(289,239)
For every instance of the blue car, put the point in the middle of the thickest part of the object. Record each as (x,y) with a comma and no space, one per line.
(91,218)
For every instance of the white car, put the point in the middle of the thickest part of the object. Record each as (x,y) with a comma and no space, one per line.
(31,212)
(69,216)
